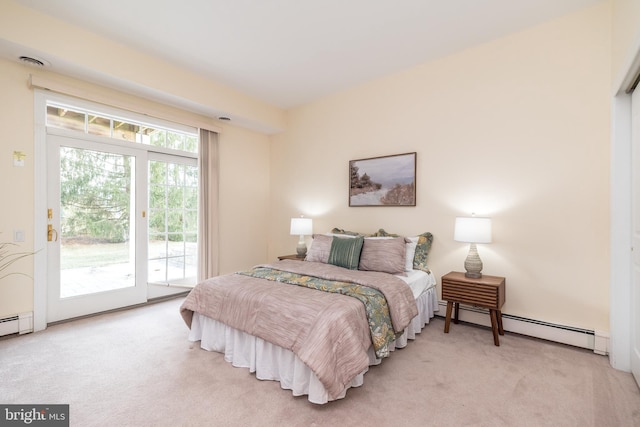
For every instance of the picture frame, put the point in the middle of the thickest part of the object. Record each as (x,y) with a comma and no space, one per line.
(383,181)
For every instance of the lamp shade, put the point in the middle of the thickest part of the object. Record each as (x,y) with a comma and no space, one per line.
(472,230)
(301,226)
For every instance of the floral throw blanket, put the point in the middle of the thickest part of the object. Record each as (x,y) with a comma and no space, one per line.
(376,307)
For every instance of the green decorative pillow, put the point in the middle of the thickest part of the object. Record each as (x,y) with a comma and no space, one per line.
(345,252)
(382,233)
(422,251)
(337,230)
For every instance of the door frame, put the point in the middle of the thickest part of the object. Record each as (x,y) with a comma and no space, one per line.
(40,208)
(87,304)
(41,171)
(620,234)
(41,96)
(621,174)
(635,214)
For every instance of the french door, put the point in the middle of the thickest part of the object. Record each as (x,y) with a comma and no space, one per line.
(96,226)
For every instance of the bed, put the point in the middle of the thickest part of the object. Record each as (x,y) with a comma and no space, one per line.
(304,324)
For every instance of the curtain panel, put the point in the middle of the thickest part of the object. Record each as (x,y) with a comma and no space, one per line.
(208,206)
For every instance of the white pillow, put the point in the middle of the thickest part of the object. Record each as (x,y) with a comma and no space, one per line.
(411,243)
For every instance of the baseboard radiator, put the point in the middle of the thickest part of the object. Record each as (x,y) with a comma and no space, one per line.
(19,324)
(584,338)
(590,339)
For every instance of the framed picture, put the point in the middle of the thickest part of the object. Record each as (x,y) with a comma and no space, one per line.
(383,181)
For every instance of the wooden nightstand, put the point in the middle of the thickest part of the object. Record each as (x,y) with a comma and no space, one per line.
(294,257)
(487,292)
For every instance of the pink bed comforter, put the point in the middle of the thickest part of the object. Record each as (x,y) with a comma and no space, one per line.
(328,332)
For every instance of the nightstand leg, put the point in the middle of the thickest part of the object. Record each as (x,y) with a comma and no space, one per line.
(500,328)
(447,320)
(456,306)
(494,327)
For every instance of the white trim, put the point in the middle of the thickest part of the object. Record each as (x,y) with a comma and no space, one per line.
(104,140)
(81,105)
(620,234)
(41,82)
(40,208)
(25,323)
(601,342)
(620,223)
(533,328)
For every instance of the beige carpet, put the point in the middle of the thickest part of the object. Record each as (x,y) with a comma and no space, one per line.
(136,368)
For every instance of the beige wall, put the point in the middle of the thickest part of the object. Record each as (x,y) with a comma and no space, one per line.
(244,166)
(244,199)
(626,36)
(16,190)
(516,129)
(62,44)
(244,179)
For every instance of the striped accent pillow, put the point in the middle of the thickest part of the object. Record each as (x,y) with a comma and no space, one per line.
(319,249)
(345,252)
(384,254)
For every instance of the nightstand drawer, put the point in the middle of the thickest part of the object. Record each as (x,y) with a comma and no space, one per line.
(487,291)
(467,293)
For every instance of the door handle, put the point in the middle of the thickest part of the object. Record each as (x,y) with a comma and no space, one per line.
(50,232)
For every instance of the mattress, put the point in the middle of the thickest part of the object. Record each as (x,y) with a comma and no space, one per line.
(271,362)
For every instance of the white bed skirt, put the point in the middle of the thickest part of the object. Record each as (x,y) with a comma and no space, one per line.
(272,362)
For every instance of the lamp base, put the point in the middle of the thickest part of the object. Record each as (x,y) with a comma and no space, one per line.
(301,249)
(473,264)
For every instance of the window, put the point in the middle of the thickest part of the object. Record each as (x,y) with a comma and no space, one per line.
(93,123)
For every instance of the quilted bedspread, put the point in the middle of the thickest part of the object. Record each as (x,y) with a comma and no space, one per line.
(329,332)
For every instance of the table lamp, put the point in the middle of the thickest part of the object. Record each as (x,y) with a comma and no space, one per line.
(472,230)
(301,226)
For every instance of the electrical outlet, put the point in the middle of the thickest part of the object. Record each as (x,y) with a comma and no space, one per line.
(18,235)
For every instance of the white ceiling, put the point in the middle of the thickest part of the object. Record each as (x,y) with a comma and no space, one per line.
(290,52)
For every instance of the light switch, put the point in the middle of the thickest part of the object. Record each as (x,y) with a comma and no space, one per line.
(18,158)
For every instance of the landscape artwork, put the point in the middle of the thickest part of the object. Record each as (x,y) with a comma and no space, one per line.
(383,181)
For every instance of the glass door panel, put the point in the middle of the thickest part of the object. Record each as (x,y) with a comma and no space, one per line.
(97,234)
(173,223)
